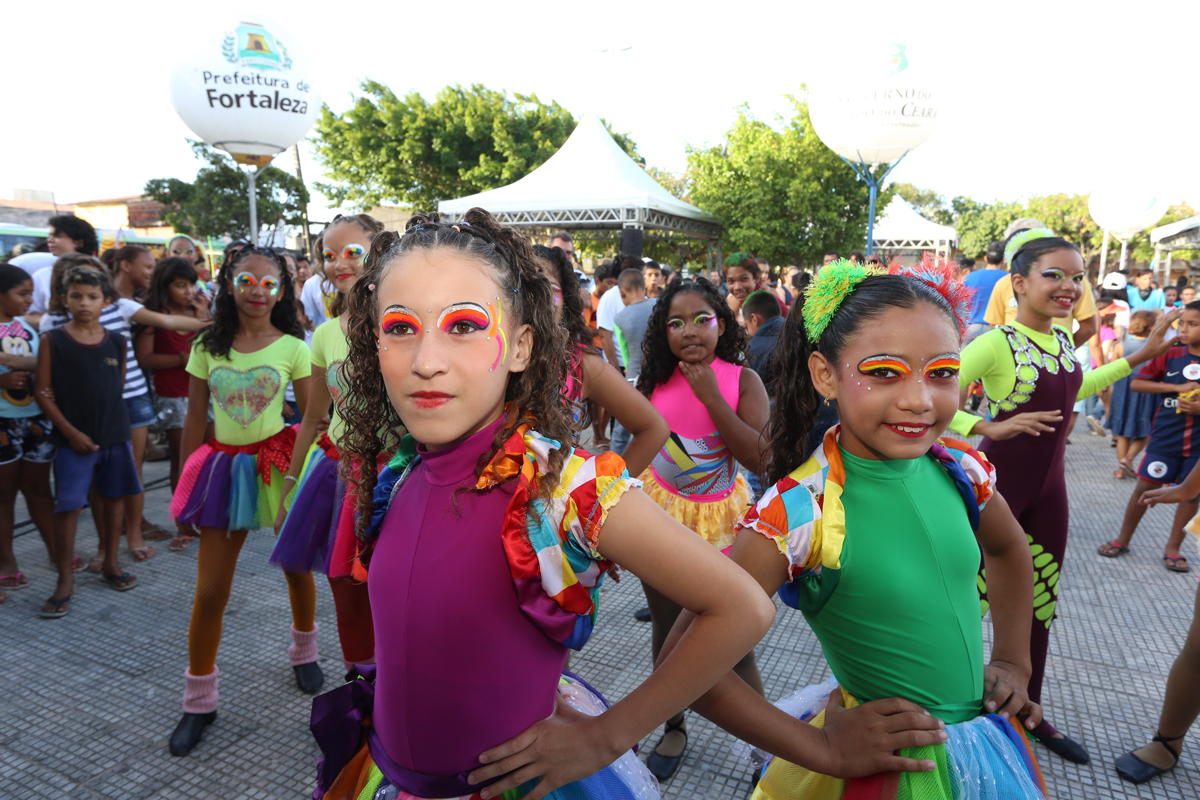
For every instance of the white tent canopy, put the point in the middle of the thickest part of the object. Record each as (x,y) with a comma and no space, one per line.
(900,227)
(590,184)
(1181,235)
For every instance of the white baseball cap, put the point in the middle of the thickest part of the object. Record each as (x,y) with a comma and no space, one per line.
(1114,280)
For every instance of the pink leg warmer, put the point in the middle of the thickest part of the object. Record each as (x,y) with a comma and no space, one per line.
(304,646)
(200,695)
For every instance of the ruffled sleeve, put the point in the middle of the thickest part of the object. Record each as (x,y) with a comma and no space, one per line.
(590,486)
(975,476)
(791,514)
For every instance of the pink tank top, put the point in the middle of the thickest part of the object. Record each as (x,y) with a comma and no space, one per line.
(695,462)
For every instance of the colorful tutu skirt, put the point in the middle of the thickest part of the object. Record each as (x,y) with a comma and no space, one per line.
(234,487)
(318,534)
(361,778)
(986,758)
(712,519)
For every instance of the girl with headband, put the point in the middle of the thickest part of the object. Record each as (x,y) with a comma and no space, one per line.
(487,537)
(232,484)
(316,521)
(876,539)
(1032,380)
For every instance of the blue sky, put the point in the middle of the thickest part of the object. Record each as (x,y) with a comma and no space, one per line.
(1057,97)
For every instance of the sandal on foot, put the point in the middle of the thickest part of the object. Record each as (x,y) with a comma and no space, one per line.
(122,583)
(180,543)
(1128,469)
(1176,563)
(1115,549)
(15,581)
(78,564)
(58,610)
(96,565)
(663,767)
(1134,770)
(142,553)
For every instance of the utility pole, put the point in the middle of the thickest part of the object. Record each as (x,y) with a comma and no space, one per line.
(304,209)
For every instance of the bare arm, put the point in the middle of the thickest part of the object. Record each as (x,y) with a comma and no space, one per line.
(1010,581)
(604,384)
(731,615)
(852,744)
(22,363)
(1087,329)
(44,388)
(143,349)
(171,322)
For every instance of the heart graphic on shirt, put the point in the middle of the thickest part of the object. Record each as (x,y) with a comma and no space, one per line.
(243,394)
(336,381)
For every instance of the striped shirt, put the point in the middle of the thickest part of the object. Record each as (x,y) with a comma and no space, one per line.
(115,318)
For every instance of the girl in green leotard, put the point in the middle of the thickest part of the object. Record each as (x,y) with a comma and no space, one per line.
(876,539)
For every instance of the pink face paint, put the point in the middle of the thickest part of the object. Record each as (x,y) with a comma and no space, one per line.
(471,314)
(397,318)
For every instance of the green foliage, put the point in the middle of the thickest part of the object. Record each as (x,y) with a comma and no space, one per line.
(216,203)
(928,203)
(677,183)
(411,152)
(781,194)
(1142,250)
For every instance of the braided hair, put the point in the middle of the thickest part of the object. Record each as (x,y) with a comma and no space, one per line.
(218,339)
(533,397)
(658,362)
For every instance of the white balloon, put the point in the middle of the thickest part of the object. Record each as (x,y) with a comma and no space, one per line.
(1126,208)
(877,106)
(247,88)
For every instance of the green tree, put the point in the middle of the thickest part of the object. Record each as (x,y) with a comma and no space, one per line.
(979,224)
(928,203)
(411,152)
(1140,248)
(216,202)
(781,194)
(1068,216)
(677,183)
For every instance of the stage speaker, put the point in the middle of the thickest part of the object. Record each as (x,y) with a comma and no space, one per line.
(631,242)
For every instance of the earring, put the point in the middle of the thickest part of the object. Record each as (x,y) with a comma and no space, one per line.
(826,401)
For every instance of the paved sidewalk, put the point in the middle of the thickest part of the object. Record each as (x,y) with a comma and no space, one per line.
(89,700)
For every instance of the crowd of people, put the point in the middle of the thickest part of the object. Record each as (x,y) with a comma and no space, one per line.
(407,420)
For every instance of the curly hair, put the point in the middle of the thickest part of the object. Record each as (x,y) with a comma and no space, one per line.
(77,230)
(533,397)
(658,362)
(218,339)
(796,398)
(370,226)
(568,281)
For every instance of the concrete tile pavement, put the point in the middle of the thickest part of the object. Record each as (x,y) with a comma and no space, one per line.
(90,699)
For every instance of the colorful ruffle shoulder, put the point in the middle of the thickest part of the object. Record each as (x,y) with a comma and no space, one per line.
(803,513)
(551,545)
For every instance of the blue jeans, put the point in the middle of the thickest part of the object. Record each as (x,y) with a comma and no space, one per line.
(620,439)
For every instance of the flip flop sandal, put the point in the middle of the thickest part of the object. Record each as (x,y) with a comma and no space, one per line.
(180,543)
(121,583)
(1119,548)
(1128,470)
(1134,770)
(1172,563)
(18,578)
(96,565)
(142,553)
(78,564)
(58,611)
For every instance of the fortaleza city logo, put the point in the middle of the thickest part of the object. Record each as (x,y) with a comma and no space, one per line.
(253,47)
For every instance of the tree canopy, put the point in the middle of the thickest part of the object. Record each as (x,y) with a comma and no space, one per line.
(413,152)
(216,202)
(779,192)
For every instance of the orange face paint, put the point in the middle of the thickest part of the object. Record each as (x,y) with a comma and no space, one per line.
(942,363)
(394,317)
(873,364)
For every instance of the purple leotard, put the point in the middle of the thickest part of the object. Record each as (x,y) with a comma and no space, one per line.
(459,667)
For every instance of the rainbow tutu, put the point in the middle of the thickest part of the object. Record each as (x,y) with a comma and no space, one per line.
(361,779)
(232,487)
(986,758)
(306,539)
(713,520)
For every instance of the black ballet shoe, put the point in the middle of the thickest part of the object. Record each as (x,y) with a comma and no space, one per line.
(1134,770)
(755,777)
(1067,748)
(642,614)
(309,678)
(663,767)
(188,732)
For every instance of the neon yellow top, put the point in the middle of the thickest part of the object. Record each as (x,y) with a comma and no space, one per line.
(329,351)
(990,358)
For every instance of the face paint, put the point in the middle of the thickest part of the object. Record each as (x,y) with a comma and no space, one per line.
(558,295)
(946,365)
(501,340)
(471,314)
(873,364)
(328,255)
(245,281)
(395,317)
(353,252)
(705,321)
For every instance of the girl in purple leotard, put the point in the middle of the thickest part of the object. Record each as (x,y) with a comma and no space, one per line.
(486,540)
